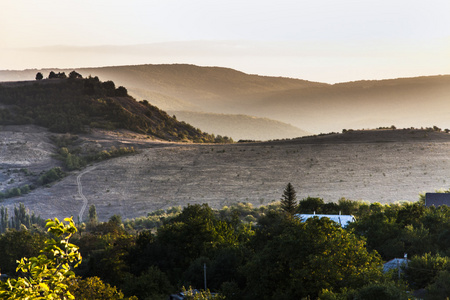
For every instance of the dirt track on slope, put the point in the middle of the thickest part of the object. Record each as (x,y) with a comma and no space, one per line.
(383,168)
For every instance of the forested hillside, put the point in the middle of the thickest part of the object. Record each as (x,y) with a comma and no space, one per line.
(75,104)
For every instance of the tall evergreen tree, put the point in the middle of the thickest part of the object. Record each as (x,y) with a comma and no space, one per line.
(21,217)
(289,199)
(3,219)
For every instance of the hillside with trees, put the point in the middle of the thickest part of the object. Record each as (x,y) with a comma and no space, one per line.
(310,106)
(72,104)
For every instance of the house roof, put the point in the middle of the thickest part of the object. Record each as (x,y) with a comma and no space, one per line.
(342,220)
(437,199)
(394,264)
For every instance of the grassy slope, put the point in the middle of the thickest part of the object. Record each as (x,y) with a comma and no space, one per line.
(315,107)
(206,87)
(421,101)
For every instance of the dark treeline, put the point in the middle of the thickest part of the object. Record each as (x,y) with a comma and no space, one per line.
(262,253)
(19,218)
(74,104)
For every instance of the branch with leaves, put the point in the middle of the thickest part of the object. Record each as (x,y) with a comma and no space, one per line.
(47,276)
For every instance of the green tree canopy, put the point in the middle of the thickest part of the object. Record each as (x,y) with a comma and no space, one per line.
(75,75)
(93,218)
(311,205)
(15,244)
(308,257)
(198,231)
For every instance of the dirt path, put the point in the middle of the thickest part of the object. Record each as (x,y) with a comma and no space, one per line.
(80,192)
(374,166)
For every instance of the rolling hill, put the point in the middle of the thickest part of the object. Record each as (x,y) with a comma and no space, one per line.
(240,127)
(188,88)
(374,165)
(63,136)
(75,105)
(311,106)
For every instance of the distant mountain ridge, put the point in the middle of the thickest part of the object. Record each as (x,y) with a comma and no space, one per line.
(242,127)
(211,89)
(189,83)
(311,106)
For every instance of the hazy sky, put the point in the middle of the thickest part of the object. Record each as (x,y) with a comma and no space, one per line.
(321,40)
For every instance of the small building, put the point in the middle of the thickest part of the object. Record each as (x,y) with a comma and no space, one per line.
(437,199)
(342,220)
(396,263)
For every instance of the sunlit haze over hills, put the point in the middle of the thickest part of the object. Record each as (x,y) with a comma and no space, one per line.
(326,41)
(223,146)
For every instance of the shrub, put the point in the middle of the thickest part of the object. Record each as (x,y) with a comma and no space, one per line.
(51,176)
(385,291)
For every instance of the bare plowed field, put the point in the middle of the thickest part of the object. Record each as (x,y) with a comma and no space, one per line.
(382,168)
